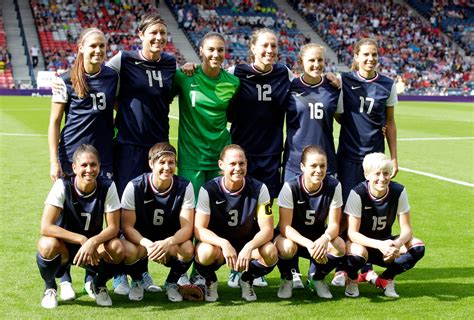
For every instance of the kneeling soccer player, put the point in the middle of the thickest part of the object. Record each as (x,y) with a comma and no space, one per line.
(72,228)
(157,221)
(373,206)
(306,203)
(234,226)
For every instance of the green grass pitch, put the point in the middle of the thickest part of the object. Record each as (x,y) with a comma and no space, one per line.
(439,287)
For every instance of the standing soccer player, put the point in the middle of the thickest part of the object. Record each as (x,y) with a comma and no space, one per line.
(310,210)
(85,95)
(372,207)
(71,228)
(311,107)
(369,99)
(157,220)
(146,79)
(234,226)
(203,101)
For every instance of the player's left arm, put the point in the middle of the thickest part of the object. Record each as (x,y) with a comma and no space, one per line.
(391,135)
(264,235)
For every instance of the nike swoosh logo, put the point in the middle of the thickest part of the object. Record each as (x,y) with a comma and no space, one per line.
(139,62)
(250,76)
(74,203)
(194,85)
(367,208)
(301,202)
(353,88)
(148,201)
(219,202)
(299,94)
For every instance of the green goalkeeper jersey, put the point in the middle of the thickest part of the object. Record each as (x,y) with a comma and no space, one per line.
(203,103)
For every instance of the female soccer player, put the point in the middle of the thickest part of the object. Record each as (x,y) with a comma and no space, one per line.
(203,101)
(372,207)
(311,107)
(86,99)
(146,78)
(234,226)
(310,210)
(85,96)
(72,227)
(157,221)
(368,99)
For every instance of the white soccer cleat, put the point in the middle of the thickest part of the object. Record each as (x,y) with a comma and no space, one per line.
(50,299)
(198,280)
(339,279)
(172,292)
(136,291)
(88,289)
(148,284)
(210,294)
(102,297)
(233,280)
(297,281)
(260,282)
(184,280)
(67,292)
(286,289)
(322,289)
(352,289)
(389,290)
(248,294)
(120,285)
(369,276)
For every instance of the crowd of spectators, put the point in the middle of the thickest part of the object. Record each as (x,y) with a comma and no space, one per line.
(66,19)
(409,46)
(236,20)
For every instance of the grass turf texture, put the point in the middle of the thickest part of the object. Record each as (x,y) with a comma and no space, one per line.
(440,286)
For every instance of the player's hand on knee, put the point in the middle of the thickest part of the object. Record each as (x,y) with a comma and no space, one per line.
(230,256)
(243,260)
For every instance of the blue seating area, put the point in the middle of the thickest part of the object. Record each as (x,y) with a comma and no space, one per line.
(237,24)
(456,20)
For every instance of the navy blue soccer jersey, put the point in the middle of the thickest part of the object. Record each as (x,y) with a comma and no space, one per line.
(83,214)
(88,120)
(157,214)
(364,102)
(310,210)
(258,109)
(144,98)
(309,120)
(233,215)
(377,214)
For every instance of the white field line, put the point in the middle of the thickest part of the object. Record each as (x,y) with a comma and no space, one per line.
(435,139)
(9,134)
(434,176)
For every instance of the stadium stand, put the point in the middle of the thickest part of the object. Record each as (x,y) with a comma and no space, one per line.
(410,47)
(6,76)
(60,23)
(237,20)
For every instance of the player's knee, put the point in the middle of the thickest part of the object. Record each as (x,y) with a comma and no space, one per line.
(337,247)
(116,250)
(417,251)
(48,247)
(355,262)
(286,248)
(356,249)
(187,250)
(269,254)
(206,253)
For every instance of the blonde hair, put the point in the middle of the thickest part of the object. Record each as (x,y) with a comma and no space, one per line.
(254,37)
(375,161)
(78,77)
(360,43)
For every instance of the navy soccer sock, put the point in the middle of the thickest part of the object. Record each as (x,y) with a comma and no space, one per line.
(177,268)
(323,269)
(105,271)
(285,266)
(354,263)
(256,269)
(135,270)
(405,262)
(208,272)
(48,269)
(67,274)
